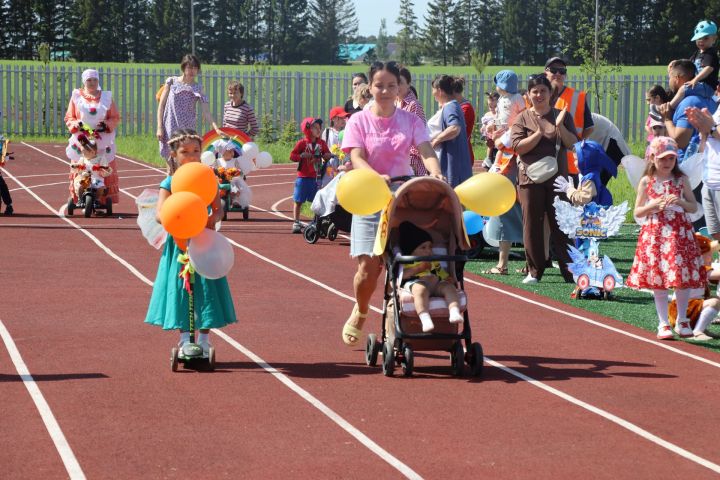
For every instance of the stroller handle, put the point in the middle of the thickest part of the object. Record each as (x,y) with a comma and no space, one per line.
(401,179)
(403,259)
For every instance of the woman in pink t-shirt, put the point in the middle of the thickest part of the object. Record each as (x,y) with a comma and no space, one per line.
(379,138)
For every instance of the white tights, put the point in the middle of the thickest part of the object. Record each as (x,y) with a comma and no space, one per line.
(682,298)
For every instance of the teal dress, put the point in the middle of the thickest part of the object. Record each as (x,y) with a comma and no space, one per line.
(169,304)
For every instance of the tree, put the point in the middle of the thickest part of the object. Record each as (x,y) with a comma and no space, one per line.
(332,22)
(291,31)
(171,22)
(407,36)
(381,46)
(436,37)
(20,23)
(464,25)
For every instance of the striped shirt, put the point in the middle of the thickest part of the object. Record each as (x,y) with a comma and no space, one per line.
(241,117)
(411,104)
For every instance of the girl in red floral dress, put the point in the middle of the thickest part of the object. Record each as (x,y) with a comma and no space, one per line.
(667,255)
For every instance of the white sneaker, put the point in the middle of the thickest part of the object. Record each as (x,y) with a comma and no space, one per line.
(701,337)
(683,329)
(664,332)
(529,280)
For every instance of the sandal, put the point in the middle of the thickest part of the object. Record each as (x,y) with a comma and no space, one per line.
(349,331)
(496,271)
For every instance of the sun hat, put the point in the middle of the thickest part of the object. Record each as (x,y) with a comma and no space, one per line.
(338,111)
(411,237)
(663,146)
(507,80)
(703,29)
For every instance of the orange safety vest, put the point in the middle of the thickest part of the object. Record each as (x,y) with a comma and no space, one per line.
(574,102)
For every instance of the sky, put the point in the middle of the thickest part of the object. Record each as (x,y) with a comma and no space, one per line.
(370,12)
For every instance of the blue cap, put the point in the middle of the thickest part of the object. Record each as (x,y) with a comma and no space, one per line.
(507,80)
(703,29)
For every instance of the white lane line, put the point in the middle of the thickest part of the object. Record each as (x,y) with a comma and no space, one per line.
(597,324)
(609,416)
(53,427)
(327,411)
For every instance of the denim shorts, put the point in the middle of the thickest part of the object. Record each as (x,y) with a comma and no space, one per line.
(305,189)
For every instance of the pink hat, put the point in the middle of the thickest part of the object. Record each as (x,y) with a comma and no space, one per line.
(663,146)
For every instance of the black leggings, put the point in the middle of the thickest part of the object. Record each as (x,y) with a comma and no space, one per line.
(5,192)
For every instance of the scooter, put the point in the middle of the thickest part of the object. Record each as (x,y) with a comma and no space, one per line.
(191,353)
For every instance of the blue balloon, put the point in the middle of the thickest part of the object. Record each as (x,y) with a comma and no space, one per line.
(474,223)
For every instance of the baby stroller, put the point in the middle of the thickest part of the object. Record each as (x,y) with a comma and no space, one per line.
(433,206)
(330,218)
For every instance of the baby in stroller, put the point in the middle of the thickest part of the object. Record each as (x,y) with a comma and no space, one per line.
(89,172)
(231,171)
(422,240)
(426,278)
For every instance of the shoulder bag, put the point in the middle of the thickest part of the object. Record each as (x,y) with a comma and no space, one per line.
(545,168)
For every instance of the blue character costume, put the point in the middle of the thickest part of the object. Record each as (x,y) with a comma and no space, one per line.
(169,304)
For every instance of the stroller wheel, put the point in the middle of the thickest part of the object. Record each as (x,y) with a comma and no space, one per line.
(476,359)
(372,348)
(311,234)
(457,359)
(70,207)
(388,364)
(174,359)
(407,361)
(108,206)
(246,213)
(332,233)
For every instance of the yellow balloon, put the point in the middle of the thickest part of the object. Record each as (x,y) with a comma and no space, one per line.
(487,194)
(363,192)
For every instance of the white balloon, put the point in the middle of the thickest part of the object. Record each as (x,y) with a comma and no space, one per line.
(245,164)
(263,160)
(208,158)
(211,254)
(250,150)
(693,168)
(634,168)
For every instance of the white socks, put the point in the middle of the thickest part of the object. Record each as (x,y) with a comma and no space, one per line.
(184,338)
(661,305)
(427,323)
(706,316)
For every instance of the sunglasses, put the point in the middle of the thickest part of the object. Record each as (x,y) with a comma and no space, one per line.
(557,70)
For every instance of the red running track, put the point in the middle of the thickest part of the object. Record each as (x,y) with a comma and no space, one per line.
(565,393)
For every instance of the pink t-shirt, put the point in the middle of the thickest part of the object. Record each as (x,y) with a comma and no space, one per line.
(386,141)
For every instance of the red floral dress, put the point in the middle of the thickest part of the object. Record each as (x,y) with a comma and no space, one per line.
(667,255)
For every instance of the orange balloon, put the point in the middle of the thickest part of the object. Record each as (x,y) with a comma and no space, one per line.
(181,243)
(197,178)
(183,215)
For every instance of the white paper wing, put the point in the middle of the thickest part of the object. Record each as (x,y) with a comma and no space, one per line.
(568,217)
(613,217)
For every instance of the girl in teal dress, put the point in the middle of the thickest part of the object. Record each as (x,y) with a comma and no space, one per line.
(169,304)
